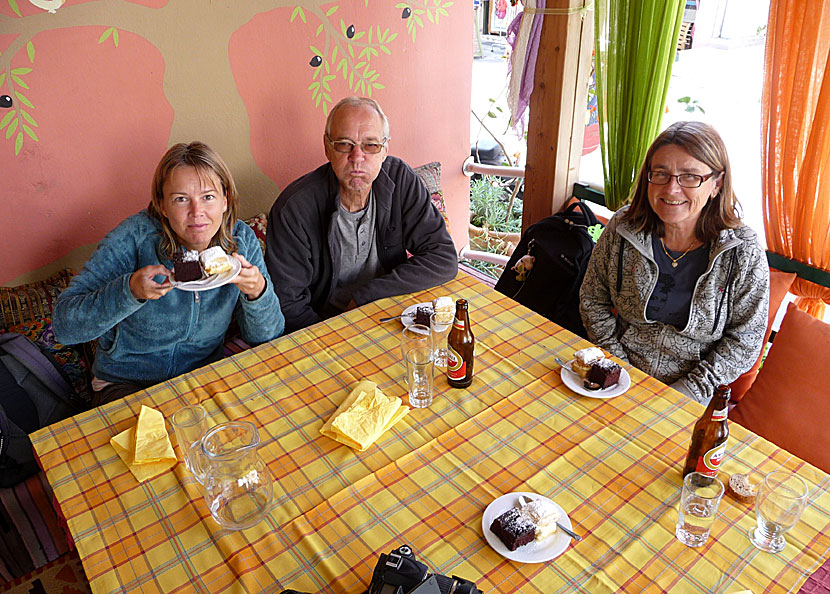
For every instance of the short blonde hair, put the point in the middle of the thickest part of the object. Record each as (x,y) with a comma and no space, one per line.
(204,160)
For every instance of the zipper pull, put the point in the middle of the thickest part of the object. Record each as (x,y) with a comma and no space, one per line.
(196,296)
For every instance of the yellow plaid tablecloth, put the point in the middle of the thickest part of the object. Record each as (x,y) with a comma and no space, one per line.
(613,465)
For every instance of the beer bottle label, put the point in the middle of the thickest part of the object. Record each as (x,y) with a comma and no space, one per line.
(720,415)
(709,462)
(456,365)
(459,324)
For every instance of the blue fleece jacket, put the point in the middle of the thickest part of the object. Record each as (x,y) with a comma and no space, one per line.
(146,342)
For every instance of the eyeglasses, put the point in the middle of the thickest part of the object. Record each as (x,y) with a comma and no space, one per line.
(684,180)
(347,146)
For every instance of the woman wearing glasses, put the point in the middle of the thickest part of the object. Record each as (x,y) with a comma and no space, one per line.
(677,285)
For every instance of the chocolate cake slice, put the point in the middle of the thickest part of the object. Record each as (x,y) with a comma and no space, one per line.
(604,373)
(186,266)
(513,528)
(422,315)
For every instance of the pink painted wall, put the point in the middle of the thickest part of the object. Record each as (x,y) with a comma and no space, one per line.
(234,76)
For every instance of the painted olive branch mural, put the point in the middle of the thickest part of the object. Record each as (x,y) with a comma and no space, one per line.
(348,52)
(342,55)
(17,121)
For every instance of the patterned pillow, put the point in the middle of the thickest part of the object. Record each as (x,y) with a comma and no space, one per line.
(430,174)
(259,224)
(27,310)
(31,302)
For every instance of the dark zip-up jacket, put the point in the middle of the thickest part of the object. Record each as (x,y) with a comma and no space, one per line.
(303,256)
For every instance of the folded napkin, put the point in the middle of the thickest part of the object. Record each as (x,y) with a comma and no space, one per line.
(145,448)
(364,416)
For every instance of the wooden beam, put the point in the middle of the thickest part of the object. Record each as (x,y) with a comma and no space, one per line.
(557,109)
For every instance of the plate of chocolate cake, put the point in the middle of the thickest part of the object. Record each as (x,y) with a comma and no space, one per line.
(417,314)
(525,533)
(605,379)
(210,281)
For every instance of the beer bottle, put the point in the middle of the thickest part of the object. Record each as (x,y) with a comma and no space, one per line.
(708,444)
(460,348)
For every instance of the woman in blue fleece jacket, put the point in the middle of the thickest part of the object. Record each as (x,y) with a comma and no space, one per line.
(148,331)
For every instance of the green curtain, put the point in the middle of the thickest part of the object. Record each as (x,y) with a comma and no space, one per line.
(634,44)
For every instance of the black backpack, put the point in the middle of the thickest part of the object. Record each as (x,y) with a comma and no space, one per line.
(34,393)
(561,245)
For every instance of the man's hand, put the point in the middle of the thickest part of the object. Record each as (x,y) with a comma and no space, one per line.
(250,280)
(144,286)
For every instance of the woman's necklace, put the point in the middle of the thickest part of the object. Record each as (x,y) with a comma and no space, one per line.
(674,261)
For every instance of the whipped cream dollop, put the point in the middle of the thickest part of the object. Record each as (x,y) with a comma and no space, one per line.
(543,515)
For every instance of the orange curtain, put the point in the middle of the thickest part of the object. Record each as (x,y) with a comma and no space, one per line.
(796,140)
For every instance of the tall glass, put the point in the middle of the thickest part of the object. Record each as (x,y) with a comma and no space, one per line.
(781,499)
(698,507)
(413,336)
(420,376)
(440,324)
(189,424)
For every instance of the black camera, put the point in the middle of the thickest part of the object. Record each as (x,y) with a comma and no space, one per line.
(400,573)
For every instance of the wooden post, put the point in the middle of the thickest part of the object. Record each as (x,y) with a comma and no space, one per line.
(557,109)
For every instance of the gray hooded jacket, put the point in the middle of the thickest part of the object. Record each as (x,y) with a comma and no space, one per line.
(727,319)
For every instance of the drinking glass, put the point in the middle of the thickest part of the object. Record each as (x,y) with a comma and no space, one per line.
(440,325)
(698,506)
(419,373)
(189,424)
(781,498)
(414,335)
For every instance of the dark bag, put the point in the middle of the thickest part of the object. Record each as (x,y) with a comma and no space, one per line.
(561,245)
(34,393)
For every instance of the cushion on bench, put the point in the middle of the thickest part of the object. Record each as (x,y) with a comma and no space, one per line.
(27,310)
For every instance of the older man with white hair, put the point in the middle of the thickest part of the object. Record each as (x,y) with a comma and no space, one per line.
(338,237)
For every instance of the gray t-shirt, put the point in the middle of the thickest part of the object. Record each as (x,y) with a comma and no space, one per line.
(355,231)
(671,300)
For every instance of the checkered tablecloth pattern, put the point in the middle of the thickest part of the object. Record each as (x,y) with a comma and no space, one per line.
(613,465)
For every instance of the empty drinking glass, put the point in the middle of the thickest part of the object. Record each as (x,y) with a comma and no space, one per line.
(781,498)
(419,374)
(698,506)
(440,324)
(414,335)
(189,424)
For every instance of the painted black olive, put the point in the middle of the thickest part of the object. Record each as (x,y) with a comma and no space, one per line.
(350,31)
(406,12)
(316,61)
(6,101)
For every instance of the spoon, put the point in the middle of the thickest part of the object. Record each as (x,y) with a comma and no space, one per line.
(523,500)
(390,318)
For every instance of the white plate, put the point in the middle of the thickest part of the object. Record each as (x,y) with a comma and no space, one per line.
(574,382)
(534,552)
(408,315)
(213,281)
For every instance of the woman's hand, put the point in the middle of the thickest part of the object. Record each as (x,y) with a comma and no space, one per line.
(250,280)
(144,286)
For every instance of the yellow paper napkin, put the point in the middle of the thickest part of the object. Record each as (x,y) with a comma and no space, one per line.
(364,416)
(152,444)
(145,448)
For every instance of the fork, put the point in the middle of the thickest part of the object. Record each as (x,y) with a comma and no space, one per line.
(523,500)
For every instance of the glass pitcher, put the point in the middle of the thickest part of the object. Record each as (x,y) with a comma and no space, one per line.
(238,487)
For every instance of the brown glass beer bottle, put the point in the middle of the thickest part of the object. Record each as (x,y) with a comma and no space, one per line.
(709,435)
(460,348)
